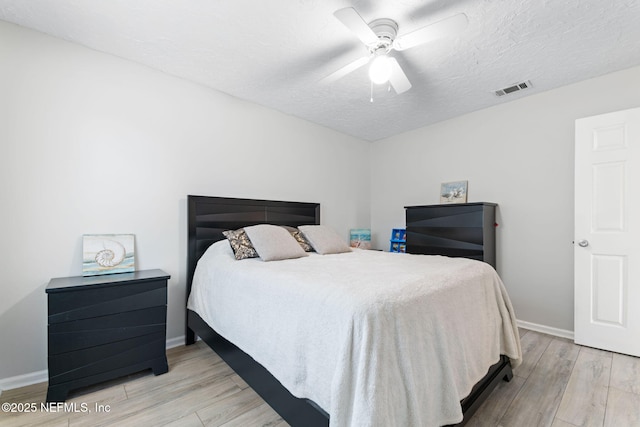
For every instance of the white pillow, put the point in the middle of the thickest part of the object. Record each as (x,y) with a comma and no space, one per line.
(324,239)
(273,243)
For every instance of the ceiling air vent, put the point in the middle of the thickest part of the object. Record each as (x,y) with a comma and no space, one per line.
(514,88)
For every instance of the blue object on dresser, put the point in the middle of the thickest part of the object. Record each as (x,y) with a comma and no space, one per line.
(398,240)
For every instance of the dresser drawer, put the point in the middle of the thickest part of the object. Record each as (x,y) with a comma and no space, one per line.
(104,358)
(87,303)
(83,333)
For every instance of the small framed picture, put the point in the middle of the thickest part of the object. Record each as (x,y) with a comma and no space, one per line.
(360,238)
(107,254)
(453,192)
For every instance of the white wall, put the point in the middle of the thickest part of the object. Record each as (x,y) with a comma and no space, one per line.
(91,143)
(519,155)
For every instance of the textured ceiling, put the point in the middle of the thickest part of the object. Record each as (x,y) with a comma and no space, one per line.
(274,53)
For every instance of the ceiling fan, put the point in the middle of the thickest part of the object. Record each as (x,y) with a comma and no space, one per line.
(381,37)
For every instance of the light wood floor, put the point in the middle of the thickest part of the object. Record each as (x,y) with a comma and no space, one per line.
(559,384)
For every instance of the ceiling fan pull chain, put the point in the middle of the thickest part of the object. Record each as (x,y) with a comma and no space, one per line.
(371,96)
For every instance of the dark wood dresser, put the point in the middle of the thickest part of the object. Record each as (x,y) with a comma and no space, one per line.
(458,230)
(103,327)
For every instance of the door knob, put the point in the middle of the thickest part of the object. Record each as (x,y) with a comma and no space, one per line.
(583,243)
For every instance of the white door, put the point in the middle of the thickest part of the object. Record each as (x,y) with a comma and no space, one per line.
(607,232)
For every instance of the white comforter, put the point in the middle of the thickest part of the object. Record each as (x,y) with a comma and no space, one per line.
(374,338)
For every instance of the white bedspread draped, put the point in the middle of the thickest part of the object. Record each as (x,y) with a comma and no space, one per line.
(374,338)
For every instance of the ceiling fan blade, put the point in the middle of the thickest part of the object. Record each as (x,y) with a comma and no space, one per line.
(353,21)
(446,27)
(345,70)
(398,78)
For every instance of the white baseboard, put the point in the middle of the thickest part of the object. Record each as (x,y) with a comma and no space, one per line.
(175,342)
(23,380)
(43,376)
(562,333)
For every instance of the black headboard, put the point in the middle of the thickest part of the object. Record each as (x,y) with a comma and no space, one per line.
(208,217)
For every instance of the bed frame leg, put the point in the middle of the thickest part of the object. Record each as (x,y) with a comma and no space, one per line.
(189,335)
(508,376)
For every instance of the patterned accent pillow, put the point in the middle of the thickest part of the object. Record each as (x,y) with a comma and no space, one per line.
(240,243)
(297,234)
(302,240)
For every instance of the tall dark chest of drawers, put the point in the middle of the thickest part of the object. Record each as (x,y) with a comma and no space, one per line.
(103,327)
(458,230)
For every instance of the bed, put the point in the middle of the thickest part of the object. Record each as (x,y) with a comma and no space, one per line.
(208,217)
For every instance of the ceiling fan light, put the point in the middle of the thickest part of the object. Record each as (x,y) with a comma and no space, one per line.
(380,69)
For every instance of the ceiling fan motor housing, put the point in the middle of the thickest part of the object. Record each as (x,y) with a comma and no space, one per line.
(386,30)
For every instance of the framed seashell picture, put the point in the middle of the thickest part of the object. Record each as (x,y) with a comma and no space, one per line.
(107,254)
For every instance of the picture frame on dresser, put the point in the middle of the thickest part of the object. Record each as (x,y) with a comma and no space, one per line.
(108,254)
(453,192)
